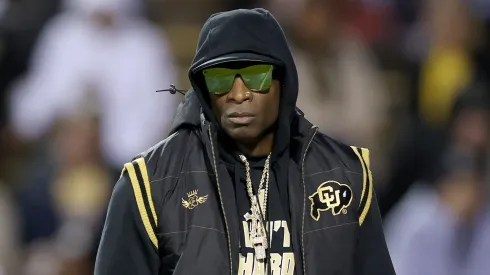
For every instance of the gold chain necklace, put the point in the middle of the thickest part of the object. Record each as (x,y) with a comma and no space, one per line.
(258,234)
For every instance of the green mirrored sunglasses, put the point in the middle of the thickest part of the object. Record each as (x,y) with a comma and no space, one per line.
(257,78)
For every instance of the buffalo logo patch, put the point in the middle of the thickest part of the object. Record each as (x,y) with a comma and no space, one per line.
(330,195)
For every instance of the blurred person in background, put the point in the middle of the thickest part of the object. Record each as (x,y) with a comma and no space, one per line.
(455,236)
(63,200)
(100,51)
(340,85)
(447,67)
(446,229)
(444,42)
(104,46)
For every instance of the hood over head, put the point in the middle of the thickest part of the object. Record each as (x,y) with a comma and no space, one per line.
(247,35)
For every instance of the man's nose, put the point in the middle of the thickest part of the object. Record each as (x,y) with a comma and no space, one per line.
(239,92)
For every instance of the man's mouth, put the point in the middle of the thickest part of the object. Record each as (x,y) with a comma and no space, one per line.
(241,118)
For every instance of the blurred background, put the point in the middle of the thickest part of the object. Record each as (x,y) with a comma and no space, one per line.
(406,78)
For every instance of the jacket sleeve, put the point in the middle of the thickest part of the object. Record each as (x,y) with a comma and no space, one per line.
(128,244)
(372,255)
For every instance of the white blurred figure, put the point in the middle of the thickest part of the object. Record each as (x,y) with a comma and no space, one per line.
(103,46)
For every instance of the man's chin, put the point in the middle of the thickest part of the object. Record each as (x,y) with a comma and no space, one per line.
(242,134)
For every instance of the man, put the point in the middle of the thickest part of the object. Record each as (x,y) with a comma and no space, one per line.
(189,205)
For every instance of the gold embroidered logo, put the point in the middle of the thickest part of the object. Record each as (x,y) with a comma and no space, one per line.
(193,200)
(330,195)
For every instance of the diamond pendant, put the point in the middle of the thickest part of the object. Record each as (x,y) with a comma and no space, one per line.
(257,236)
(260,245)
(259,252)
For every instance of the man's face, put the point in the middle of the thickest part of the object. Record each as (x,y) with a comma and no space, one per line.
(245,114)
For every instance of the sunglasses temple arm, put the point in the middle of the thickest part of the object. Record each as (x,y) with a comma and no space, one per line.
(173,90)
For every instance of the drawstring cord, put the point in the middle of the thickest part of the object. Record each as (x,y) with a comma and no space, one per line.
(173,90)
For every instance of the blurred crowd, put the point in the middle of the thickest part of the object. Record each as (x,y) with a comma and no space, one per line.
(408,79)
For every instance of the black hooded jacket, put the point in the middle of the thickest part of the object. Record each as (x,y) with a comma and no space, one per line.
(174,208)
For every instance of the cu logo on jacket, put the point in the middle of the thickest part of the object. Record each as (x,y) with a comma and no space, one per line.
(330,195)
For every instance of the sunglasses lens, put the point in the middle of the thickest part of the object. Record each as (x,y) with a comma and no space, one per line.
(219,80)
(257,78)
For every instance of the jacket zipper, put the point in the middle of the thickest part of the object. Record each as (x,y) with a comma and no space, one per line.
(304,198)
(221,201)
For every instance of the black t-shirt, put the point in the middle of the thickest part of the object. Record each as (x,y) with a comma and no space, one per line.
(280,252)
